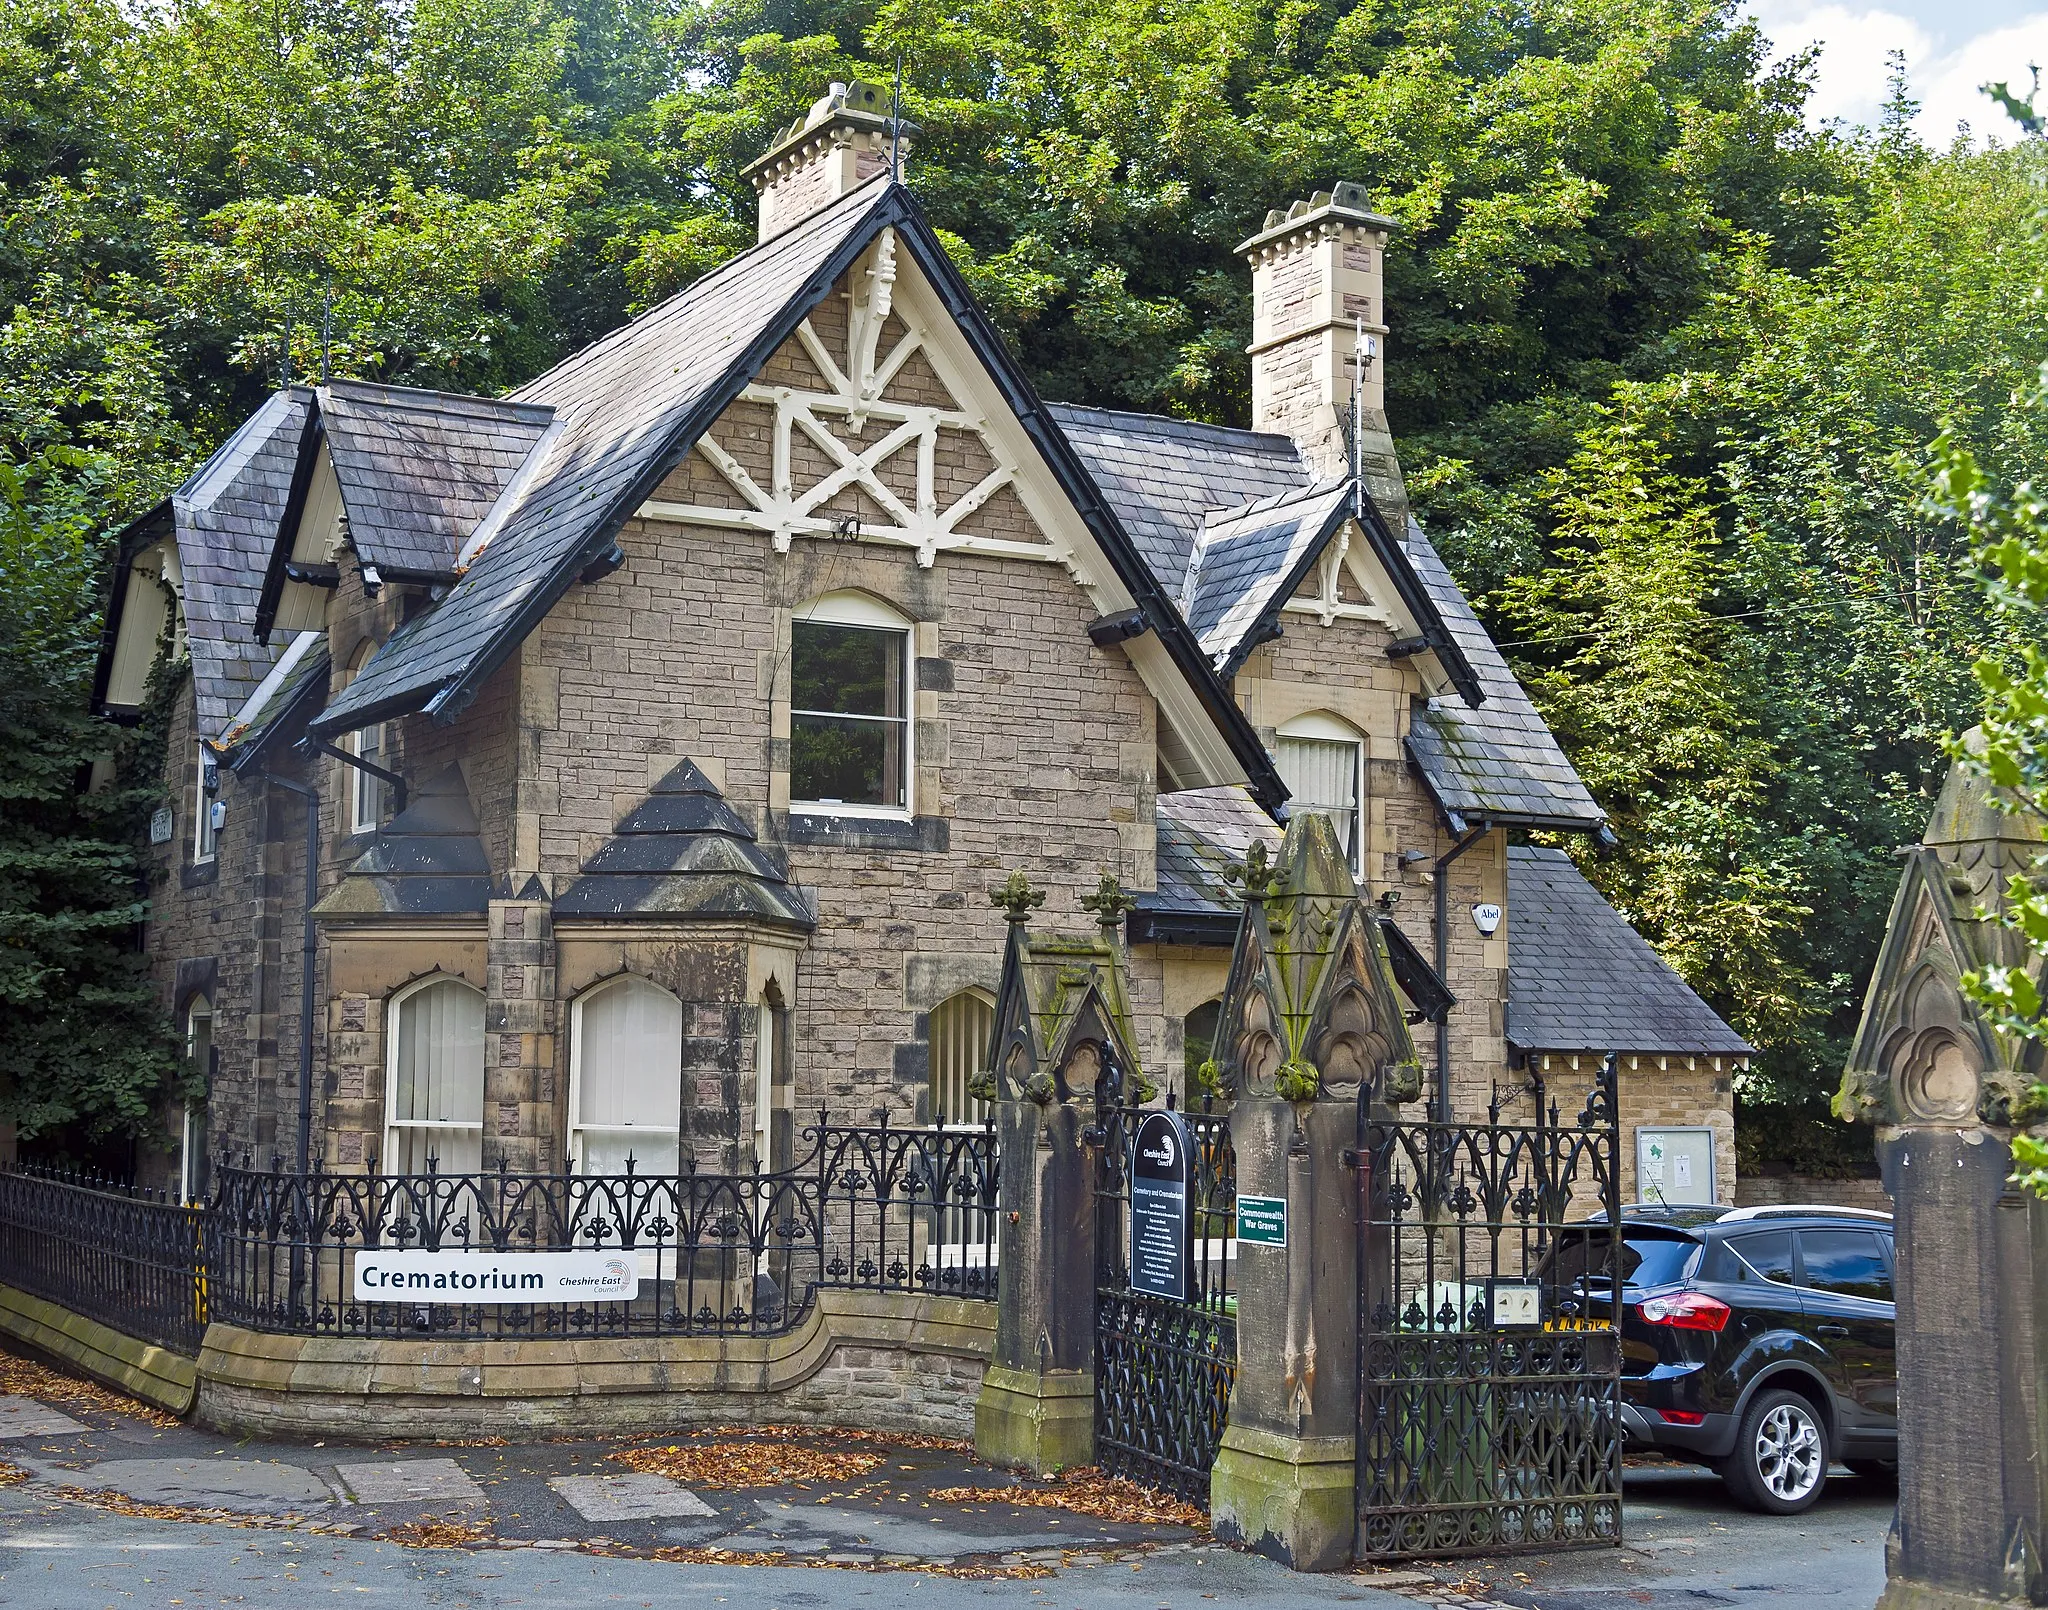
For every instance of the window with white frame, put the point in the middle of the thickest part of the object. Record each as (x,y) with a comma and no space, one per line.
(434,1106)
(368,795)
(849,696)
(1322,762)
(205,796)
(193,1170)
(626,1078)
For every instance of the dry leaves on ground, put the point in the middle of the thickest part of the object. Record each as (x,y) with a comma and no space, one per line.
(1087,1492)
(972,1573)
(429,1533)
(21,1377)
(12,1475)
(893,1439)
(725,1465)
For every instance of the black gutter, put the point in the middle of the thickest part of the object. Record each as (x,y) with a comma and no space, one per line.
(1163,925)
(1499,818)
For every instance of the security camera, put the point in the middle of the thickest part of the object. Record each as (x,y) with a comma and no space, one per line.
(1486,916)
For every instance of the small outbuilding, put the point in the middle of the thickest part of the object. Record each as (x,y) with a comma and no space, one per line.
(1581,983)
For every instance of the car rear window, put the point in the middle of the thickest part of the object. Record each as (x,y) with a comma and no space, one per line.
(1847,1261)
(1648,1258)
(1765,1254)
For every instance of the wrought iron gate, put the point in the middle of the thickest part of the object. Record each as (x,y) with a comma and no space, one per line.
(1489,1365)
(1164,1369)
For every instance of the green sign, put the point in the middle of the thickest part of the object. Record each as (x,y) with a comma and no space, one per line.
(1262,1220)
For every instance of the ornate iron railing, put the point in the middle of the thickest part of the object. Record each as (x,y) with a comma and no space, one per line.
(128,1258)
(1489,1404)
(868,1208)
(1164,1369)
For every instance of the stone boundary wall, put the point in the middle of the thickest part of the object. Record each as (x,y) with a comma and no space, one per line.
(1781,1190)
(883,1362)
(142,1369)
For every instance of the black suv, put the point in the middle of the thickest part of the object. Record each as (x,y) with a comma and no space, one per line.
(1755,1341)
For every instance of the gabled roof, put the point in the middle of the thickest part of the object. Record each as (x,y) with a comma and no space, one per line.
(1166,476)
(683,853)
(418,472)
(1581,979)
(1497,762)
(629,407)
(1248,561)
(281,704)
(222,519)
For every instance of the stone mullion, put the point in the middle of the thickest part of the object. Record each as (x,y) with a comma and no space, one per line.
(520,1127)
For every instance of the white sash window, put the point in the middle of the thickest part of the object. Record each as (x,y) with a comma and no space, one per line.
(626,1079)
(435,1105)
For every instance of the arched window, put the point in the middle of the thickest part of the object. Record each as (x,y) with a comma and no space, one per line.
(368,794)
(849,707)
(626,1078)
(434,1101)
(960,1027)
(193,1171)
(1322,762)
(1198,1044)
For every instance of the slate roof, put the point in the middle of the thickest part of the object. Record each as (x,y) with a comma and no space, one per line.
(623,402)
(419,470)
(683,852)
(226,519)
(1499,761)
(1581,979)
(1247,562)
(279,699)
(428,859)
(1201,832)
(1164,476)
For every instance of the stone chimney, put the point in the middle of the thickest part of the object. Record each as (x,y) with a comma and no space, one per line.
(838,145)
(1315,280)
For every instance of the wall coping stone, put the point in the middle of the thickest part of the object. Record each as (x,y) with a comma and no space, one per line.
(142,1369)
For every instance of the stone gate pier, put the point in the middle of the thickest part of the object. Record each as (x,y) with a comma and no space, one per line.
(1940,1083)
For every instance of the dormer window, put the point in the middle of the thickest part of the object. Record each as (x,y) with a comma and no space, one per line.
(1322,762)
(849,719)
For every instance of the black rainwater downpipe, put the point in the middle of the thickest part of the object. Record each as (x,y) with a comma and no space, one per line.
(308,958)
(1442,879)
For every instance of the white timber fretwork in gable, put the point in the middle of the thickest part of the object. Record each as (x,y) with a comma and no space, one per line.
(1323,592)
(857,386)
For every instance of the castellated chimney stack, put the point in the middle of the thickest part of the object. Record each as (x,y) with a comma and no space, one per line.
(838,145)
(1316,286)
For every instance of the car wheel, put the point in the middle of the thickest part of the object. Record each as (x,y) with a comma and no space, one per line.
(1875,1469)
(1780,1462)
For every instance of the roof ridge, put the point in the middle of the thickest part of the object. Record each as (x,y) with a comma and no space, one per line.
(435,393)
(1191,427)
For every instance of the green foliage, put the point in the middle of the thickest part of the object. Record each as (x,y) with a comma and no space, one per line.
(82,1039)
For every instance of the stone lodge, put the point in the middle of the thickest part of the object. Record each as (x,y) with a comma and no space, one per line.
(621,768)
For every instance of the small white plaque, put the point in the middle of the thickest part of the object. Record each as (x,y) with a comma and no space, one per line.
(160,824)
(1516,1303)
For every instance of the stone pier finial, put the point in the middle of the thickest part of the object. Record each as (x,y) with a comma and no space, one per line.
(1108,902)
(1256,876)
(1017,898)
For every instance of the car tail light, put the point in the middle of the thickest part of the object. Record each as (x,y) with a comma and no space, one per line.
(1683,1417)
(1685,1310)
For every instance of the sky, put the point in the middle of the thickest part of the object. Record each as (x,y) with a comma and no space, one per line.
(1951,47)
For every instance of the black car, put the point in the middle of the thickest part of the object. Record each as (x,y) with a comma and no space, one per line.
(1755,1341)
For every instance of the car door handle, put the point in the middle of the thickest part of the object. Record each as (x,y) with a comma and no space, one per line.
(1832,1330)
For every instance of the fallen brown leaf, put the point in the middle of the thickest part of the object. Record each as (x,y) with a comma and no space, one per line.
(12,1475)
(894,1439)
(1087,1491)
(429,1533)
(726,1465)
(21,1377)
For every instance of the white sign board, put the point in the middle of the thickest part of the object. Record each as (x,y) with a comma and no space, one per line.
(1675,1167)
(495,1277)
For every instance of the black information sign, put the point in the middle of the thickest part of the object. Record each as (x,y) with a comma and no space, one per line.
(1159,1207)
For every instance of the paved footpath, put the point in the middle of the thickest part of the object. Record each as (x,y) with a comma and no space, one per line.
(105,1505)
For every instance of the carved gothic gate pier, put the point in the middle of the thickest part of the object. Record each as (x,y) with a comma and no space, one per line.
(1489,1358)
(1164,1366)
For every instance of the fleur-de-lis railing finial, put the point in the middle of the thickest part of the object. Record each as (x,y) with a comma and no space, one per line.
(1256,876)
(1017,898)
